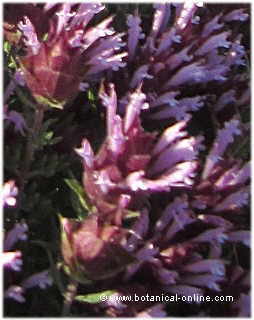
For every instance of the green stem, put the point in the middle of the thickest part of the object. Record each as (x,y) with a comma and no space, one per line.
(31,146)
(69,297)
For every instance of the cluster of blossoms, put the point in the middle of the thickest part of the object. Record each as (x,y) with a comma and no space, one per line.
(57,63)
(12,260)
(165,208)
(133,171)
(188,54)
(12,116)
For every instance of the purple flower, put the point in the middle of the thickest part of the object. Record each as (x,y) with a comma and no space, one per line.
(18,232)
(73,52)
(224,138)
(41,279)
(184,57)
(17,119)
(16,293)
(132,161)
(12,260)
(134,170)
(10,192)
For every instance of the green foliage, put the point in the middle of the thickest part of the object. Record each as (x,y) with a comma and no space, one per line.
(79,199)
(95,298)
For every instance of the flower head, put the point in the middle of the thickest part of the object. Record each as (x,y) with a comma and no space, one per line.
(190,51)
(72,52)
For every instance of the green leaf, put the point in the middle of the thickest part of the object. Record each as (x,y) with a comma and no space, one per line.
(55,140)
(49,102)
(79,191)
(95,298)
(78,208)
(48,123)
(7,47)
(131,214)
(91,96)
(54,271)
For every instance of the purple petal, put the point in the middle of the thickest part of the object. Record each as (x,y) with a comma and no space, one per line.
(236,54)
(83,86)
(187,12)
(41,279)
(166,98)
(137,101)
(106,47)
(100,30)
(136,182)
(31,40)
(144,254)
(234,176)
(170,135)
(17,119)
(243,175)
(138,230)
(179,205)
(216,221)
(63,17)
(16,293)
(224,138)
(234,201)
(236,15)
(117,140)
(181,220)
(213,235)
(160,18)
(179,58)
(12,260)
(214,266)
(85,13)
(18,232)
(181,175)
(9,193)
(214,42)
(240,236)
(216,73)
(225,99)
(134,34)
(194,72)
(167,39)
(140,74)
(212,26)
(86,152)
(110,102)
(102,63)
(183,150)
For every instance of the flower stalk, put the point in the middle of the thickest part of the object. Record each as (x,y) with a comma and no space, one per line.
(69,297)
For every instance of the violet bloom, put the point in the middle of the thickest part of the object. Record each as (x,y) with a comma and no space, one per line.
(132,164)
(12,260)
(190,54)
(17,233)
(9,194)
(73,52)
(182,205)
